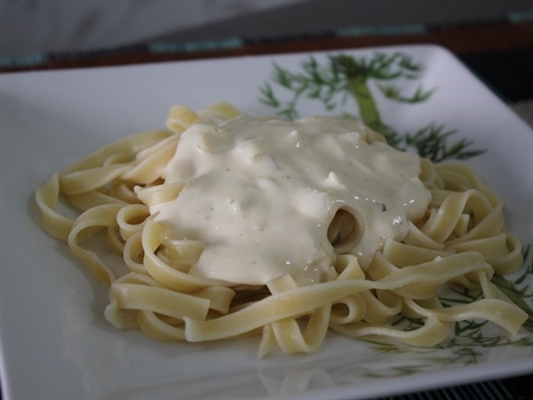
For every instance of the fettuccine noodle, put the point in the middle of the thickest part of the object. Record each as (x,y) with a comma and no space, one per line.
(458,239)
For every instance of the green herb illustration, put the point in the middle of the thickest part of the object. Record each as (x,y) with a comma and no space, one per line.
(518,291)
(344,77)
(469,343)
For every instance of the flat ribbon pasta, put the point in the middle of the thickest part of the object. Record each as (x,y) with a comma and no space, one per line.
(460,240)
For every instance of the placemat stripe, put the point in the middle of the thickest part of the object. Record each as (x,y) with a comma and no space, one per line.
(512,33)
(509,73)
(507,389)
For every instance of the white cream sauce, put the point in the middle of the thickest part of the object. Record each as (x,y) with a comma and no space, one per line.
(262,194)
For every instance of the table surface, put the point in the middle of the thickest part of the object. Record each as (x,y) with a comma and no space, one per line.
(494,50)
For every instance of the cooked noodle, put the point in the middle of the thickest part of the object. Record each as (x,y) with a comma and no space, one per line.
(460,240)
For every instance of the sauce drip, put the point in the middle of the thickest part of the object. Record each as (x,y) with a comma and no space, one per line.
(272,197)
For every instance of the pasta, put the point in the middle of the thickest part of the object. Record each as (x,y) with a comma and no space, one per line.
(456,236)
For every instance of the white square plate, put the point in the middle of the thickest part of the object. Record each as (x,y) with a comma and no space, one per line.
(55,342)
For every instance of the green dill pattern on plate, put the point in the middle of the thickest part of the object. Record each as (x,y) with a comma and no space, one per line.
(345,76)
(342,77)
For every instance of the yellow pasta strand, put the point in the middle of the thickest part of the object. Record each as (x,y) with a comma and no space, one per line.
(53,222)
(86,226)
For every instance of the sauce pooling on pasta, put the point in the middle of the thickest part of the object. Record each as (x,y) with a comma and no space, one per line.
(271,197)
